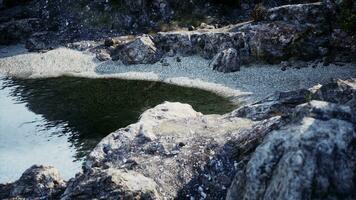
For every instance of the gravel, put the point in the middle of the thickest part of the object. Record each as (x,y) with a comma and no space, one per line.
(252,82)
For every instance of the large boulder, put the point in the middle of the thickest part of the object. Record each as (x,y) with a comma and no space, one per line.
(140,51)
(174,146)
(227,60)
(310,157)
(37,182)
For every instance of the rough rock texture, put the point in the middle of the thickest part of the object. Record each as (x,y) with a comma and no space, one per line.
(338,91)
(111,184)
(289,32)
(278,104)
(18,30)
(160,146)
(290,145)
(282,103)
(297,31)
(140,51)
(226,61)
(311,157)
(37,182)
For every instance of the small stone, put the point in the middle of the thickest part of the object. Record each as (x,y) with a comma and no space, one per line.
(109,42)
(191,28)
(178,59)
(164,62)
(284,65)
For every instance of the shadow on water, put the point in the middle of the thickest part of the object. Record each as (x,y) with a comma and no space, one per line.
(89,109)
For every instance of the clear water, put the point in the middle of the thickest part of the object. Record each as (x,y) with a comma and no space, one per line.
(57,121)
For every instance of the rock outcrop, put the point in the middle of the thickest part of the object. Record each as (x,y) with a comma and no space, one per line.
(289,32)
(295,145)
(311,157)
(37,182)
(169,145)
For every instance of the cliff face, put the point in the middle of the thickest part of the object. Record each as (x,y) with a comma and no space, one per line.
(86,19)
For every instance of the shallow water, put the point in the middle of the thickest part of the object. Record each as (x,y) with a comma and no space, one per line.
(57,121)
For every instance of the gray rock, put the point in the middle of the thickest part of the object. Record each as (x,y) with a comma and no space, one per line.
(278,104)
(171,145)
(287,146)
(103,56)
(312,157)
(111,184)
(37,182)
(226,61)
(298,13)
(338,91)
(140,51)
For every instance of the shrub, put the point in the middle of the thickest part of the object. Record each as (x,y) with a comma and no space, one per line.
(259,12)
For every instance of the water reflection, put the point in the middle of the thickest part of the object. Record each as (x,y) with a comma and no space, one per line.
(83,111)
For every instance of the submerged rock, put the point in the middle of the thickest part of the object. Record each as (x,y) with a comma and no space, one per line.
(37,182)
(226,61)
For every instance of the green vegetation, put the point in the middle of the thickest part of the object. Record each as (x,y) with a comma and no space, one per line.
(259,12)
(347,20)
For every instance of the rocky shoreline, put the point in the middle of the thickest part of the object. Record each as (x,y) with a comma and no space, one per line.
(297,144)
(293,145)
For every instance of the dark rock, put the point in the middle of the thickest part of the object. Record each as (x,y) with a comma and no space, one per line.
(37,182)
(109,42)
(191,28)
(226,61)
(284,65)
(18,30)
(278,104)
(164,62)
(34,44)
(41,42)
